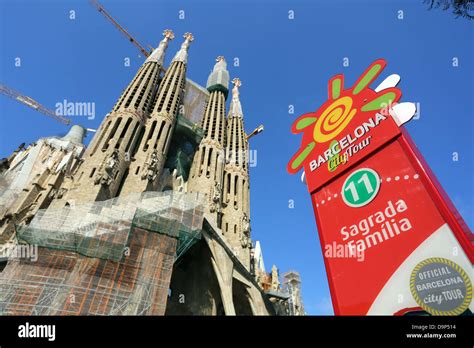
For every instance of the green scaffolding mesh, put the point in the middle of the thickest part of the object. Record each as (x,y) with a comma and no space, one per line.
(186,139)
(102,229)
(104,258)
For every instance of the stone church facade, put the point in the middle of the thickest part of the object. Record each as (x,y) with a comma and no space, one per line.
(146,156)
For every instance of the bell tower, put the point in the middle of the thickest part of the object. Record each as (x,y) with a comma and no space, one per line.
(150,155)
(207,170)
(236,191)
(108,156)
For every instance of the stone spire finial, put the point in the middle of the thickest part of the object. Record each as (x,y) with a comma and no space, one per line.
(168,34)
(219,77)
(221,64)
(182,54)
(188,36)
(158,54)
(237,83)
(235,107)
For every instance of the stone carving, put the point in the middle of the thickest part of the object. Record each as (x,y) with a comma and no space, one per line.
(216,198)
(245,224)
(252,261)
(245,238)
(245,241)
(97,178)
(111,167)
(150,171)
(112,161)
(57,192)
(5,162)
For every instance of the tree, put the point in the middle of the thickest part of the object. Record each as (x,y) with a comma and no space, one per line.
(460,8)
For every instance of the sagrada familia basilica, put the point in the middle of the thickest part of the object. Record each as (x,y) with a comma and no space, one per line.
(151,218)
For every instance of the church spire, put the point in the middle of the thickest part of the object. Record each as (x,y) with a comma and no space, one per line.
(150,155)
(107,159)
(158,54)
(237,145)
(208,164)
(236,192)
(182,54)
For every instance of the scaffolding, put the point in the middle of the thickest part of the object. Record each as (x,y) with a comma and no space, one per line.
(104,258)
(7,194)
(195,99)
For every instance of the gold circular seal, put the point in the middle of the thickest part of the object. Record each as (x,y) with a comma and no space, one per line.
(441,287)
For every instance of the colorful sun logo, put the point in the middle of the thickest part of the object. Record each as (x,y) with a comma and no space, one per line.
(338,111)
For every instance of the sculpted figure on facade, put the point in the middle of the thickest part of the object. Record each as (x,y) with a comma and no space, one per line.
(216,198)
(111,166)
(245,238)
(150,171)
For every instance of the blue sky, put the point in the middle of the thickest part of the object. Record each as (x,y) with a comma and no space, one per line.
(282,62)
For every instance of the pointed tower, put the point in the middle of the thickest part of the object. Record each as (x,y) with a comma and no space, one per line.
(236,198)
(107,158)
(150,155)
(207,169)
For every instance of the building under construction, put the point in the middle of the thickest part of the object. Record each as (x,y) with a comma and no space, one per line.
(152,218)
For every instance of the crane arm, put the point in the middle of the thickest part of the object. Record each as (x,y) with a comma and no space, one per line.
(102,10)
(32,104)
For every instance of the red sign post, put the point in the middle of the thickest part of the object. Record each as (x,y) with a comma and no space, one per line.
(392,241)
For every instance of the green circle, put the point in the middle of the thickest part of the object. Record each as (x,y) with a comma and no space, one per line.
(360,187)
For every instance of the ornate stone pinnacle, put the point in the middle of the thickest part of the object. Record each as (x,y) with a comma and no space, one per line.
(188,36)
(168,34)
(220,59)
(236,82)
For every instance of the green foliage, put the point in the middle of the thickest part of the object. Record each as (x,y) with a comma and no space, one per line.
(460,8)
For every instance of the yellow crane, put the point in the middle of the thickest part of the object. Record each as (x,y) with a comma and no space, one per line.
(9,92)
(102,10)
(146,53)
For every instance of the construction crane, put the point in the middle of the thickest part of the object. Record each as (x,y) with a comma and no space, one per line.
(9,92)
(102,10)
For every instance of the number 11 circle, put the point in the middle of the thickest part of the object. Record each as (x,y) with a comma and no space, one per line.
(360,187)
